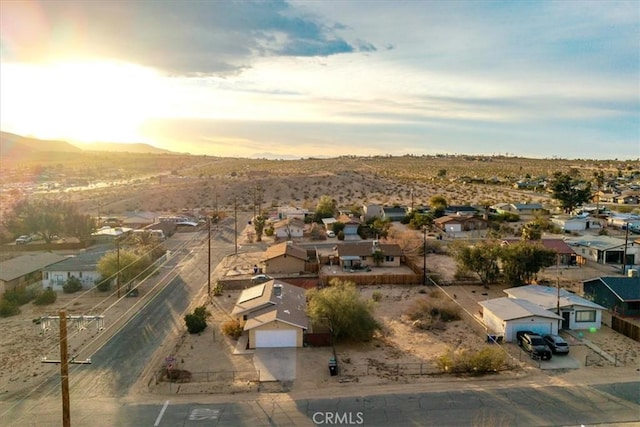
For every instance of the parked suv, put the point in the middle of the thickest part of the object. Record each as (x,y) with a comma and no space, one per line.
(23,240)
(520,334)
(556,343)
(535,346)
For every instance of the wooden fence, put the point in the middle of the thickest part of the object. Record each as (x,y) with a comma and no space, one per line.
(625,327)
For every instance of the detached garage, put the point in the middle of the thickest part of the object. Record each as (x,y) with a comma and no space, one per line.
(506,316)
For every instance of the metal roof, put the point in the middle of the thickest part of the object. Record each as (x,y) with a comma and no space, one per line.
(547,297)
(25,264)
(514,308)
(625,288)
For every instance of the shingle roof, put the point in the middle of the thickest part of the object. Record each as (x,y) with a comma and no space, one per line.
(285,248)
(367,248)
(289,306)
(514,308)
(25,264)
(625,288)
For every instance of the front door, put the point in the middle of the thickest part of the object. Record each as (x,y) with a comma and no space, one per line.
(566,319)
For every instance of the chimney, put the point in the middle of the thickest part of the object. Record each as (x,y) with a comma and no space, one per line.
(277,291)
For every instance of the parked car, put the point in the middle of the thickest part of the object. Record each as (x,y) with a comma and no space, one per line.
(260,278)
(556,343)
(536,346)
(23,240)
(330,233)
(519,335)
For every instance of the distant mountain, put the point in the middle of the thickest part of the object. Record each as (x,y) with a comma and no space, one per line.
(121,147)
(16,146)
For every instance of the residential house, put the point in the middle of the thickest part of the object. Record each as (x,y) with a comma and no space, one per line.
(289,228)
(371,211)
(83,266)
(618,294)
(350,229)
(627,198)
(274,314)
(506,316)
(575,223)
(138,219)
(604,249)
(284,258)
(460,210)
(24,270)
(356,254)
(394,213)
(458,223)
(576,312)
(292,212)
(566,256)
(110,234)
(521,209)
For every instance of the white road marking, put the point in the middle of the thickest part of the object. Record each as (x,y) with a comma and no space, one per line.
(164,408)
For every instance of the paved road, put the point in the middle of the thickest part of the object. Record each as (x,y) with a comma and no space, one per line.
(609,404)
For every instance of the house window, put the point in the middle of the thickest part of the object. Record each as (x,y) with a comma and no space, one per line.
(363,258)
(388,258)
(80,274)
(68,274)
(46,275)
(586,316)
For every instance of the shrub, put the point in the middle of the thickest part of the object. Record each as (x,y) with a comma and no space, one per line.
(72,285)
(232,328)
(485,360)
(218,289)
(195,324)
(104,285)
(19,296)
(202,312)
(46,298)
(432,313)
(376,296)
(8,308)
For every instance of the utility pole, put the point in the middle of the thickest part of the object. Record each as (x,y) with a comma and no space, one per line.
(424,256)
(64,359)
(235,219)
(209,259)
(624,255)
(118,264)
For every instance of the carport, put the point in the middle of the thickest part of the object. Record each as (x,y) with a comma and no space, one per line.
(506,316)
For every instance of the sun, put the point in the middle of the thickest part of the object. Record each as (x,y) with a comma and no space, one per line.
(78,101)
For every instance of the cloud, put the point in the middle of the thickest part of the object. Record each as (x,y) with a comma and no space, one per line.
(184,38)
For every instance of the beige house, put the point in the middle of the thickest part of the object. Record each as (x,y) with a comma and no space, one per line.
(284,258)
(458,223)
(24,270)
(274,313)
(289,228)
(356,254)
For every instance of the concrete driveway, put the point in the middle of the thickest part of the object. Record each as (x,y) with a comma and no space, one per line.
(275,364)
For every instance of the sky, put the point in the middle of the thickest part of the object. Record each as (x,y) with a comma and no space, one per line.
(297,79)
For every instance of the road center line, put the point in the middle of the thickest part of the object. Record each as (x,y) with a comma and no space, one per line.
(164,408)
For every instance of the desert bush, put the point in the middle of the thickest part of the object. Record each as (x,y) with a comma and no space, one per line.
(72,285)
(486,360)
(197,321)
(232,328)
(103,285)
(429,313)
(376,296)
(46,298)
(8,308)
(19,296)
(218,289)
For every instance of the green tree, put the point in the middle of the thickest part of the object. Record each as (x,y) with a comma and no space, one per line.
(197,321)
(570,191)
(73,284)
(130,266)
(326,208)
(259,223)
(532,231)
(522,261)
(379,227)
(343,310)
(481,259)
(378,257)
(598,179)
(437,205)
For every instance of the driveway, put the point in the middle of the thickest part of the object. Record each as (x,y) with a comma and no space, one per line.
(275,364)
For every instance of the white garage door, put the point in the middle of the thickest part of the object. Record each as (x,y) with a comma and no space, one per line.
(284,338)
(538,328)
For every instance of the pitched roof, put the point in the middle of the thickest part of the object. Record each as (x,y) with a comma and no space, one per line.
(367,248)
(547,297)
(599,242)
(270,301)
(285,248)
(625,288)
(291,222)
(522,206)
(25,264)
(514,308)
(84,261)
(456,219)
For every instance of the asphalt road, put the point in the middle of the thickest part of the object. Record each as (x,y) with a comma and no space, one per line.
(610,404)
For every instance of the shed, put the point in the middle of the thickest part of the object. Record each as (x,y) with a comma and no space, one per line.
(506,316)
(618,294)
